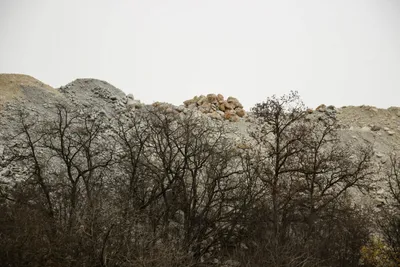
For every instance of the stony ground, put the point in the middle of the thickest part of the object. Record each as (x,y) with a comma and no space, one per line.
(360,125)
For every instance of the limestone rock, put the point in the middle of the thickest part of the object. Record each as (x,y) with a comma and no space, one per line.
(321,108)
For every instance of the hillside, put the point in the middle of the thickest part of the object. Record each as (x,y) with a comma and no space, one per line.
(14,86)
(105,180)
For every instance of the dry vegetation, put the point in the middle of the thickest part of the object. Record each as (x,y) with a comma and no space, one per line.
(11,86)
(154,186)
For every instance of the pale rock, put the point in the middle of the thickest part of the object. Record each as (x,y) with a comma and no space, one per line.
(375,128)
(180,108)
(321,108)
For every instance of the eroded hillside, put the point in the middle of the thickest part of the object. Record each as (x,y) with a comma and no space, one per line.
(91,176)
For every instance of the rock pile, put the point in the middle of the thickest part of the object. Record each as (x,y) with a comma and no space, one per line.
(217,107)
(328,110)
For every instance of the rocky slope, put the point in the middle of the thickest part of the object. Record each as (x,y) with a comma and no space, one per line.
(364,124)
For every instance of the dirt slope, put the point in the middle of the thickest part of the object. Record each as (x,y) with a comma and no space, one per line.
(14,86)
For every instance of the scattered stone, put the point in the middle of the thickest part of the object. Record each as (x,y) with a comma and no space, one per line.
(390,133)
(375,128)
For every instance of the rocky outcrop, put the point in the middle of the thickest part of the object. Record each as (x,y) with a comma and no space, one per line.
(217,107)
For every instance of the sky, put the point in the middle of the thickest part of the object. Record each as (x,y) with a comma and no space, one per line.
(339,52)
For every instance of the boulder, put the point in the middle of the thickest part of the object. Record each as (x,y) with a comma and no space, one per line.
(231,116)
(240,112)
(212,98)
(232,100)
(188,102)
(228,105)
(202,99)
(321,108)
(205,107)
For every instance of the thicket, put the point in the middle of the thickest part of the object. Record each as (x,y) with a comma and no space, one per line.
(160,189)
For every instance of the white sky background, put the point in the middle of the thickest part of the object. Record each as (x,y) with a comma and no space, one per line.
(341,52)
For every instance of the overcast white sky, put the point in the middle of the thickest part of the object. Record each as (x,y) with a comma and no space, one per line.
(341,52)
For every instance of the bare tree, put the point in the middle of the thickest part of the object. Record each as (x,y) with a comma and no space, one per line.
(305,170)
